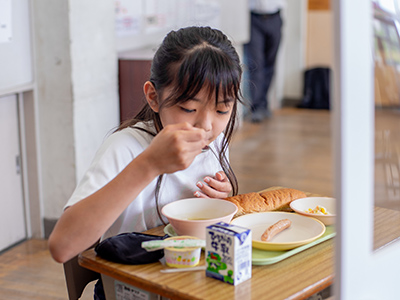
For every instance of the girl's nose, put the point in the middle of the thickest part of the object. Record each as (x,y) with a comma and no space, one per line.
(204,122)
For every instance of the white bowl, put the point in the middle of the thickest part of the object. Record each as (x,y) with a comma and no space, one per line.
(191,216)
(302,205)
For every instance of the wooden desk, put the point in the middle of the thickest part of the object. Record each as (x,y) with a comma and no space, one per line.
(296,277)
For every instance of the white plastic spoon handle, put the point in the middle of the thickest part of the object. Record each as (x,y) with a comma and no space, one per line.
(183,269)
(160,244)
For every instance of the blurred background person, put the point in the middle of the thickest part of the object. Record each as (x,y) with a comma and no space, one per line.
(261,51)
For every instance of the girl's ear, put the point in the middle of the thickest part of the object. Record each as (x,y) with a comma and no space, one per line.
(151,96)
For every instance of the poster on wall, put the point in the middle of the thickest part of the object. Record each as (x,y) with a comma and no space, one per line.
(159,15)
(128,17)
(5,21)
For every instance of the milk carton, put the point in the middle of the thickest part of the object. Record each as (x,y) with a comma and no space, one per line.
(228,253)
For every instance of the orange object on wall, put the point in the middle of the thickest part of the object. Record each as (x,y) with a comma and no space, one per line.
(319,5)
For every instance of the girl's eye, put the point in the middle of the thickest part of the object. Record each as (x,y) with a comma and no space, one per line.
(222,112)
(188,110)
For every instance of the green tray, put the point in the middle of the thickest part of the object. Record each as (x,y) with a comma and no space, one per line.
(264,257)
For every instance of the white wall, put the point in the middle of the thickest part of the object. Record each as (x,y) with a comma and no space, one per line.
(290,64)
(319,39)
(54,101)
(307,42)
(94,77)
(291,60)
(77,92)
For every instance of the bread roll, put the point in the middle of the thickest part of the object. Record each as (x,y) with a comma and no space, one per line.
(265,201)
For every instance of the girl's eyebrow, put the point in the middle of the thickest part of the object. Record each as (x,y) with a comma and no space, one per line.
(224,101)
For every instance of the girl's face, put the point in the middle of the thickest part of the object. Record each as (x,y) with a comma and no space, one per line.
(200,112)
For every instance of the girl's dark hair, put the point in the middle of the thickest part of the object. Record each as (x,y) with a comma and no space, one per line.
(190,59)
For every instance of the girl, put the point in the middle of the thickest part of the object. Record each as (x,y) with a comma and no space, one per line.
(175,147)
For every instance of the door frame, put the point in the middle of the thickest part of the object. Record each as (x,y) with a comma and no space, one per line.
(361,272)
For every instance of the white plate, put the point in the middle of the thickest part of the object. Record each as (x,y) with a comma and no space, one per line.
(169,230)
(302,231)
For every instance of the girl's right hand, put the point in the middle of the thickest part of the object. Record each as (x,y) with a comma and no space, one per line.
(175,147)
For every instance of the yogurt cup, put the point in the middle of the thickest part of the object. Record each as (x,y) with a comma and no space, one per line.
(182,257)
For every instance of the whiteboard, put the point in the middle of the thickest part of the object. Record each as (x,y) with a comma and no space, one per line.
(16,50)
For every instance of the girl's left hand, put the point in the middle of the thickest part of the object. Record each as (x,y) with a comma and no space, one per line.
(214,187)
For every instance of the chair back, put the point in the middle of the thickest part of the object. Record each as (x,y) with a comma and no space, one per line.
(77,278)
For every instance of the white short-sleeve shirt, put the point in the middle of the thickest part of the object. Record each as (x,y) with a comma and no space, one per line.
(117,151)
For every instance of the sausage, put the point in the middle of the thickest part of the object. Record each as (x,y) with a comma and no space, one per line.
(275,229)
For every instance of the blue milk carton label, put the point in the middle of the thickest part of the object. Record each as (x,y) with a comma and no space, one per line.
(228,253)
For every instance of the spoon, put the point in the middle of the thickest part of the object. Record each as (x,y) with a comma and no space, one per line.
(183,269)
(161,244)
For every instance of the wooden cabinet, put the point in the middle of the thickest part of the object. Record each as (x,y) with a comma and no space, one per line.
(134,71)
